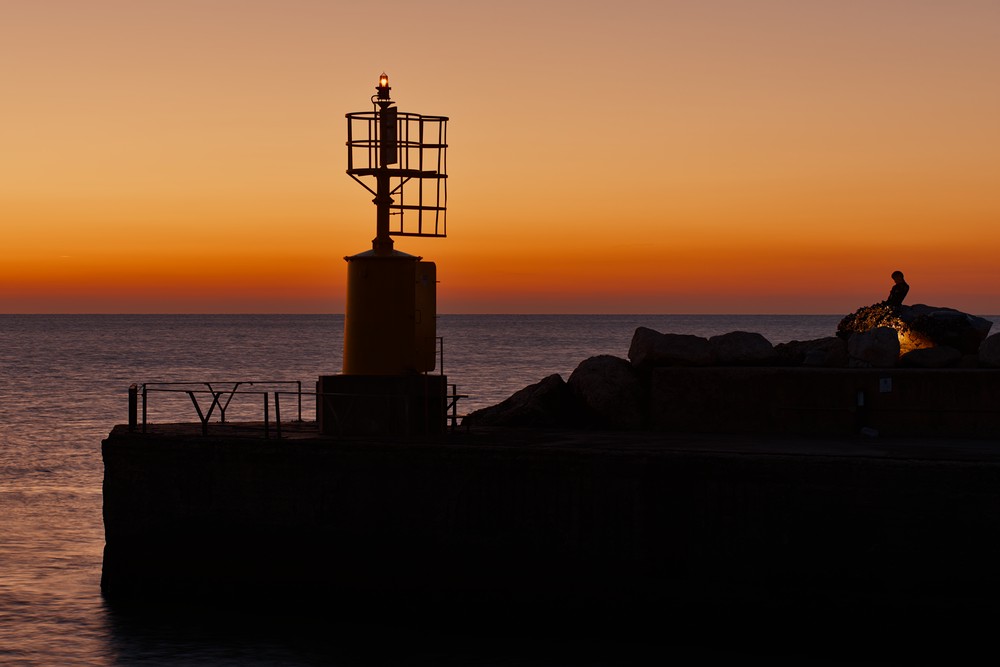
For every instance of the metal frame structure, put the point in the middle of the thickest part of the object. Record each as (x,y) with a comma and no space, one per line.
(394,149)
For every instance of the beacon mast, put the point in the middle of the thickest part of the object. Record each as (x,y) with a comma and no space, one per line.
(390,335)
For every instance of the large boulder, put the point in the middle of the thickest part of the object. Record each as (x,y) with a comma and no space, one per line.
(545,403)
(867,318)
(939,356)
(947,326)
(651,349)
(920,326)
(610,391)
(876,348)
(989,351)
(829,352)
(741,348)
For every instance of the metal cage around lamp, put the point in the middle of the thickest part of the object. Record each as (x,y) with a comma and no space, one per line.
(406,154)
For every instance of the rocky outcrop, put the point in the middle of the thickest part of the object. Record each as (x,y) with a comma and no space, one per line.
(876,348)
(920,326)
(867,318)
(989,351)
(543,404)
(947,326)
(830,352)
(939,356)
(741,348)
(723,384)
(650,349)
(610,391)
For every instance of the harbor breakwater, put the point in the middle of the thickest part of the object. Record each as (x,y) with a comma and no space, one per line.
(555,526)
(754,493)
(739,383)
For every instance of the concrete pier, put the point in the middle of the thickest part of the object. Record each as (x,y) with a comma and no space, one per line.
(555,525)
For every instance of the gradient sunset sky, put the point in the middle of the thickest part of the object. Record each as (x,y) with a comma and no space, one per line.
(720,156)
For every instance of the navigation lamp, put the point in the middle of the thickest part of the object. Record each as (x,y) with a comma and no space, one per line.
(383,86)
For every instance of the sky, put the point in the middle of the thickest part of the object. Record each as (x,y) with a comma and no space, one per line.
(721,156)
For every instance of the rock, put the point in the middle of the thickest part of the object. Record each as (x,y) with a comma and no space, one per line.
(867,318)
(920,326)
(650,349)
(877,348)
(545,403)
(741,348)
(969,361)
(939,356)
(947,326)
(910,340)
(830,352)
(989,351)
(828,356)
(610,391)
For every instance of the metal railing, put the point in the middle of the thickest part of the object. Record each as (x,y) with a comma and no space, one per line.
(220,398)
(218,395)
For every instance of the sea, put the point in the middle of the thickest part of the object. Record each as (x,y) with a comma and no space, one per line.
(64,384)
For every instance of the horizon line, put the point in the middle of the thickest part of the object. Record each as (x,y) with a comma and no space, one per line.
(276,314)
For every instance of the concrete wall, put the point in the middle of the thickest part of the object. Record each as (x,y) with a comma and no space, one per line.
(465,527)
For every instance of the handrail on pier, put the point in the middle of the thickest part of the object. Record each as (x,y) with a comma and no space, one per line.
(220,398)
(220,394)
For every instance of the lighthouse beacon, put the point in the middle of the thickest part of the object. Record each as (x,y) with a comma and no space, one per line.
(390,338)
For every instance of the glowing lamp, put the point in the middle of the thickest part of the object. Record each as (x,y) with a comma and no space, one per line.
(383,86)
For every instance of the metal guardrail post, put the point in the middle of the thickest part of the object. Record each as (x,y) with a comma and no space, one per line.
(204,417)
(267,419)
(454,405)
(277,416)
(133,407)
(143,407)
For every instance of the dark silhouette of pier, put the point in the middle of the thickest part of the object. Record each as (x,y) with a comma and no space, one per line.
(612,531)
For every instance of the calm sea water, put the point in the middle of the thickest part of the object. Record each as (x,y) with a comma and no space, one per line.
(63,385)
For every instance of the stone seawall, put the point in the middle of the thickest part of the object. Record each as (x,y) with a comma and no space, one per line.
(508,523)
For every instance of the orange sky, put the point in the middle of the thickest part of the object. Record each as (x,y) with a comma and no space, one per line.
(670,157)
